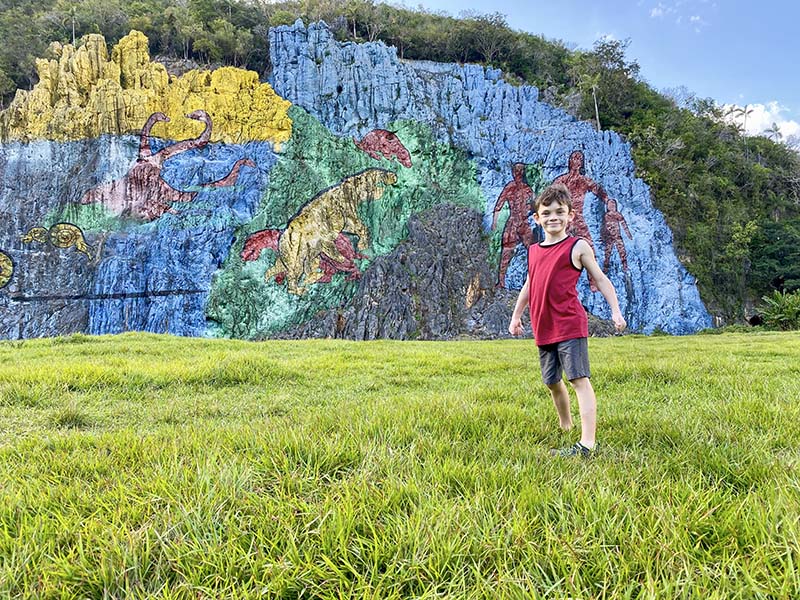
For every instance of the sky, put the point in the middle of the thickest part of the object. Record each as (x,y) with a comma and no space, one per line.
(736,52)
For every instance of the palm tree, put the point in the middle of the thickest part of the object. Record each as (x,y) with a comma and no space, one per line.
(743,111)
(591,83)
(739,111)
(774,132)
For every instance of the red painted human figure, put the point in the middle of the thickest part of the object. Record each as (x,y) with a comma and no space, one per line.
(518,194)
(142,193)
(578,184)
(612,222)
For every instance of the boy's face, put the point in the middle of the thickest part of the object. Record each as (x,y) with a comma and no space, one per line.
(554,218)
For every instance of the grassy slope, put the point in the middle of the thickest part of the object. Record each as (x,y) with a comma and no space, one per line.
(149,466)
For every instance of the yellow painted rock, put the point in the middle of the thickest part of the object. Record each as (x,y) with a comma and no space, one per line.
(82,93)
(6,269)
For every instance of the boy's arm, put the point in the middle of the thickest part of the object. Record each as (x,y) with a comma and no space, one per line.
(515,327)
(585,257)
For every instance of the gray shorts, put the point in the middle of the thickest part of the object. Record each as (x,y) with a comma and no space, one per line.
(569,356)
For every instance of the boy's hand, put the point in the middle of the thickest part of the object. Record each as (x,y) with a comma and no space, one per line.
(515,327)
(619,321)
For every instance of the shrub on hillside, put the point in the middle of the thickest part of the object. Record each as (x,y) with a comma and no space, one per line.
(781,310)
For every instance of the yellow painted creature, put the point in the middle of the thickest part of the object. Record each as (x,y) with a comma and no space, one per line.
(310,236)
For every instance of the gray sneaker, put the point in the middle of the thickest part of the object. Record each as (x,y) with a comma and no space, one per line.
(577,449)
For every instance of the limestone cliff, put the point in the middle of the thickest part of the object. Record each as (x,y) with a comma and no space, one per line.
(356,88)
(82,93)
(356,195)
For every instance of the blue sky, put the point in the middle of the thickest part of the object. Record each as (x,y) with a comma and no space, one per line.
(736,52)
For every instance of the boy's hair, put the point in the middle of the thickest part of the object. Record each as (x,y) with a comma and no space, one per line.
(558,193)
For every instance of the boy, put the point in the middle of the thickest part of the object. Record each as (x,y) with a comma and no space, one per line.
(558,319)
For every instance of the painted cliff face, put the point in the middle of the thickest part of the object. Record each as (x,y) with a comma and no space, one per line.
(118,222)
(315,244)
(518,196)
(498,125)
(200,231)
(579,185)
(210,204)
(143,194)
(327,215)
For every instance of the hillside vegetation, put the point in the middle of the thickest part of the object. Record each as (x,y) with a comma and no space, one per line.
(144,466)
(733,202)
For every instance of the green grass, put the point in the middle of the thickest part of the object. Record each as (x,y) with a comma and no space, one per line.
(143,466)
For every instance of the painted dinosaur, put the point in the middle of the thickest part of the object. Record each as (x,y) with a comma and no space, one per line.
(307,248)
(381,143)
(143,194)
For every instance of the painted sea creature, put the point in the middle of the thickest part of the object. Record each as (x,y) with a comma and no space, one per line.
(60,235)
(143,194)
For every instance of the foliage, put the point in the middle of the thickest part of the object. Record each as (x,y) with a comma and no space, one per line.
(775,252)
(781,310)
(144,466)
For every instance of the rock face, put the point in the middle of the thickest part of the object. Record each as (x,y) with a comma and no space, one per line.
(137,276)
(357,196)
(437,284)
(156,217)
(83,94)
(355,88)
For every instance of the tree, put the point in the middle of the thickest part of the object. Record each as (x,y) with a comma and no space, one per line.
(590,83)
(492,36)
(774,132)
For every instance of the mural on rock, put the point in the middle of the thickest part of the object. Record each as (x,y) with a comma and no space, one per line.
(215,204)
(330,210)
(579,185)
(353,89)
(6,269)
(149,198)
(314,235)
(60,235)
(143,194)
(381,143)
(519,196)
(611,236)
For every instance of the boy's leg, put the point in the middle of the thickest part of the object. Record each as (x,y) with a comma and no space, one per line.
(552,376)
(588,407)
(561,401)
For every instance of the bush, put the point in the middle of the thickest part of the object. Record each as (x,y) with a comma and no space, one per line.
(781,310)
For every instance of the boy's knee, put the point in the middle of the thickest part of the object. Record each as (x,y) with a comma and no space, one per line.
(580,382)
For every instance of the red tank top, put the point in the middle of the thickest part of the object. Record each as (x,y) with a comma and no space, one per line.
(556,312)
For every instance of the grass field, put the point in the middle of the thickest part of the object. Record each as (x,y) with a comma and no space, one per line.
(143,466)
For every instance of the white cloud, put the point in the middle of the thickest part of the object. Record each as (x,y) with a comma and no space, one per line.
(689,13)
(760,117)
(606,37)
